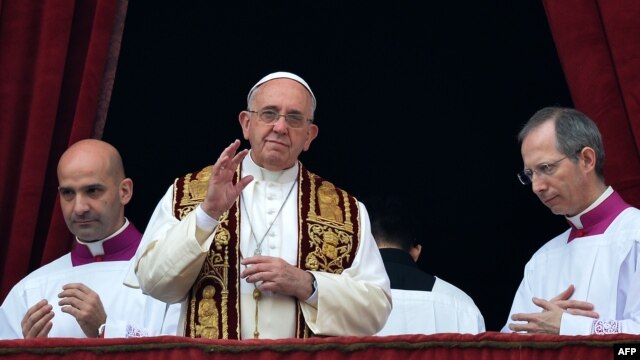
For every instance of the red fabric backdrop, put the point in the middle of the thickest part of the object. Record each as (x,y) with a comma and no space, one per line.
(598,42)
(57,65)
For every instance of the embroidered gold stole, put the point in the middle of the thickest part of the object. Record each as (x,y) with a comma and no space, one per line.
(328,238)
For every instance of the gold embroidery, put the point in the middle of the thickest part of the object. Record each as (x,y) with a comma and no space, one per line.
(329,235)
(215,270)
(207,315)
(328,201)
(194,191)
(328,239)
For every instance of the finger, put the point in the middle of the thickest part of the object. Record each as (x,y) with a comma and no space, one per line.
(521,317)
(38,324)
(238,157)
(77,287)
(226,156)
(251,270)
(544,304)
(591,314)
(36,307)
(253,260)
(577,304)
(46,329)
(72,295)
(566,294)
(524,327)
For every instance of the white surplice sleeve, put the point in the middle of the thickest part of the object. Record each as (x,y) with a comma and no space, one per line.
(170,256)
(627,319)
(356,302)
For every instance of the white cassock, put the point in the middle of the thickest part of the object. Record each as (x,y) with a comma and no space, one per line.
(603,268)
(444,309)
(356,302)
(129,312)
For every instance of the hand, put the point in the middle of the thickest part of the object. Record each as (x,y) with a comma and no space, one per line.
(548,321)
(83,304)
(37,321)
(545,322)
(574,307)
(278,276)
(221,192)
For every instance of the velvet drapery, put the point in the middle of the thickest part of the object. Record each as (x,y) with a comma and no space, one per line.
(489,345)
(54,90)
(599,49)
(57,66)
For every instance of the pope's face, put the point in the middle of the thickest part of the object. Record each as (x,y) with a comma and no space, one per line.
(276,146)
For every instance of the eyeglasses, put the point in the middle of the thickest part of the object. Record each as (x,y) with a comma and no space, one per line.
(526,176)
(269,117)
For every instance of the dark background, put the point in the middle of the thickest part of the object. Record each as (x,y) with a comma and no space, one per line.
(420,99)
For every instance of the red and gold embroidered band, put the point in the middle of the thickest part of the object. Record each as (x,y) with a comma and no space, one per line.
(328,238)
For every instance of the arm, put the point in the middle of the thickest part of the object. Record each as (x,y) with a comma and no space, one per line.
(170,256)
(356,302)
(173,251)
(548,321)
(628,318)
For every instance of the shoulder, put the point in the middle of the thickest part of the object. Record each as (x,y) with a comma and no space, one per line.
(60,264)
(445,287)
(189,190)
(628,220)
(558,242)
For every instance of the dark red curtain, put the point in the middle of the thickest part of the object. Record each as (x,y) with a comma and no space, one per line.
(57,65)
(598,42)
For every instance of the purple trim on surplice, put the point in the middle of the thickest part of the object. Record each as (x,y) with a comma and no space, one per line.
(596,221)
(121,247)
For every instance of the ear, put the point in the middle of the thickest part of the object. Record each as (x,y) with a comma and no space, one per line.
(588,159)
(126,191)
(415,252)
(312,132)
(244,120)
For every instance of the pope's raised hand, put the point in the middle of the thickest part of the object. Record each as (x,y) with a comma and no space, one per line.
(221,191)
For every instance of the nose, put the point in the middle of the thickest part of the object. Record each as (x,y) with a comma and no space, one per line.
(280,125)
(80,205)
(538,184)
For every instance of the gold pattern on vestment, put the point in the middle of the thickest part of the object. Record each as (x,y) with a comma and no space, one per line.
(328,240)
(216,264)
(207,324)
(195,189)
(328,233)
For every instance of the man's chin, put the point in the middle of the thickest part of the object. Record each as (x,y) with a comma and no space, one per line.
(87,235)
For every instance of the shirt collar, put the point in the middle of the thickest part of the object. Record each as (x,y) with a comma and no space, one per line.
(249,167)
(595,219)
(121,245)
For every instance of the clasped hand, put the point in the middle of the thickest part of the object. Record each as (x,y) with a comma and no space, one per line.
(548,320)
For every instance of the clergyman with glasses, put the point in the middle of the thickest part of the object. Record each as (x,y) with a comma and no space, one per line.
(585,280)
(286,253)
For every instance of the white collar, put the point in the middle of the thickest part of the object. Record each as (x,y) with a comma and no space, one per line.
(249,167)
(95,247)
(575,220)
